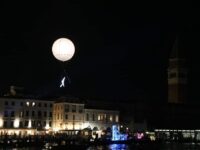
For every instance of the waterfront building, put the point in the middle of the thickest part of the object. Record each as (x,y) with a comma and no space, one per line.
(70,116)
(24,116)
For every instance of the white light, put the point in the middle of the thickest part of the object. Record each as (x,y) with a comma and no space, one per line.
(16,123)
(63,49)
(1,122)
(47,126)
(27,103)
(29,124)
(33,104)
(62,82)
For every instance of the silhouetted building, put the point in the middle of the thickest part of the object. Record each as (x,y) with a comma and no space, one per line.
(177,74)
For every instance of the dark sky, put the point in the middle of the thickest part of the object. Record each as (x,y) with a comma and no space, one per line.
(121,48)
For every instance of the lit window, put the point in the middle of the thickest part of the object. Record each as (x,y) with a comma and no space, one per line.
(111,118)
(116,118)
(33,104)
(27,103)
(99,117)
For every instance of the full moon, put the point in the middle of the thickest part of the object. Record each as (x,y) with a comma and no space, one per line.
(63,49)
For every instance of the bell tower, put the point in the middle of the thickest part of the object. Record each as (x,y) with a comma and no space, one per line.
(177,74)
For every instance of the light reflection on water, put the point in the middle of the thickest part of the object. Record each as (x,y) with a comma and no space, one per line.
(166,146)
(110,147)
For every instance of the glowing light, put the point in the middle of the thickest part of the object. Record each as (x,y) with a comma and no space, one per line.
(116,135)
(29,124)
(16,123)
(27,103)
(47,126)
(62,82)
(33,104)
(1,122)
(63,49)
(140,136)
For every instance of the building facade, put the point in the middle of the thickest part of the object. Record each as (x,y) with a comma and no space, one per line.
(33,116)
(25,115)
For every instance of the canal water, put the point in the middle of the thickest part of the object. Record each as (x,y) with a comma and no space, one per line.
(165,146)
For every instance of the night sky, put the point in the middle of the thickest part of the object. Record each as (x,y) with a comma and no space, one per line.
(121,52)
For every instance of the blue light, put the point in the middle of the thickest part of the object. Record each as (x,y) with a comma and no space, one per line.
(116,135)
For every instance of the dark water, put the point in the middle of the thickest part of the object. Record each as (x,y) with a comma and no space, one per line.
(165,146)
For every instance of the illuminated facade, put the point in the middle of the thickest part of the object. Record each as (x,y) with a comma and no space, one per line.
(24,116)
(31,116)
(74,116)
(100,119)
(68,116)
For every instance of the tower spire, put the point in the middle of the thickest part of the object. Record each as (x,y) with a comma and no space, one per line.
(177,73)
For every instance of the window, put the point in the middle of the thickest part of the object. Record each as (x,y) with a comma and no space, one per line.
(13,103)
(20,124)
(33,113)
(27,103)
(80,109)
(73,108)
(61,116)
(99,117)
(93,117)
(12,114)
(66,108)
(116,118)
(50,123)
(172,75)
(27,113)
(73,117)
(21,103)
(45,114)
(21,114)
(50,114)
(39,104)
(11,124)
(66,116)
(45,104)
(111,118)
(87,117)
(57,116)
(44,123)
(5,124)
(50,105)
(5,113)
(39,114)
(33,104)
(26,123)
(6,103)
